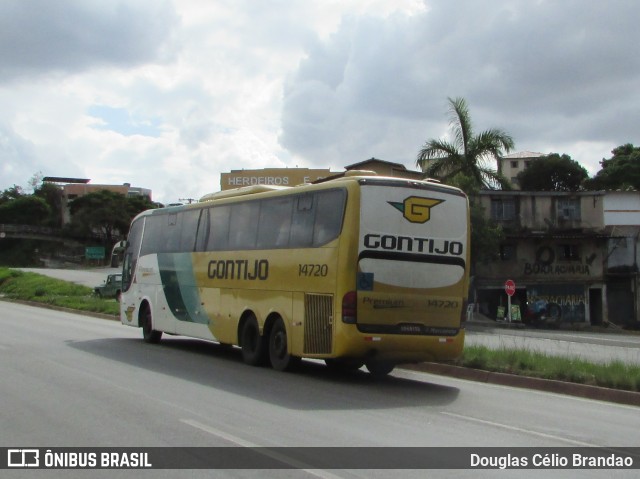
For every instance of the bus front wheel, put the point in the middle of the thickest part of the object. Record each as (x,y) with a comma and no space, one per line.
(253,345)
(279,355)
(149,334)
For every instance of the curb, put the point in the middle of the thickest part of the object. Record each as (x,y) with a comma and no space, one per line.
(548,385)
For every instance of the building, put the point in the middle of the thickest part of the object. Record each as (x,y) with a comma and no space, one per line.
(622,225)
(72,188)
(381,168)
(510,165)
(386,168)
(573,256)
(271,176)
(297,176)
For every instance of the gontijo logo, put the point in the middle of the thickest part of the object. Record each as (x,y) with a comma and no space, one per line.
(416,209)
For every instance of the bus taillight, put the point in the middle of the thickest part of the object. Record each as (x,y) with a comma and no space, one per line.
(350,307)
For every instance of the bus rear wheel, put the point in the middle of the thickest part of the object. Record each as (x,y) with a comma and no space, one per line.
(279,355)
(149,334)
(379,369)
(254,349)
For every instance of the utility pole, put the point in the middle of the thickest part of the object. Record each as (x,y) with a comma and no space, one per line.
(190,200)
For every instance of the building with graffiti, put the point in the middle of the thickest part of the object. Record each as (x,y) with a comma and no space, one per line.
(573,256)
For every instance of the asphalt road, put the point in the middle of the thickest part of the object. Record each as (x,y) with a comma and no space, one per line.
(71,380)
(86,277)
(588,346)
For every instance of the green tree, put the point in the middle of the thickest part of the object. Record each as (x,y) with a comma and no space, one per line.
(11,194)
(468,154)
(25,210)
(553,172)
(52,194)
(620,172)
(102,212)
(106,213)
(138,204)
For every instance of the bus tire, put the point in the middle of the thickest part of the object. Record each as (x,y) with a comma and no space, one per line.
(379,369)
(279,355)
(254,348)
(149,334)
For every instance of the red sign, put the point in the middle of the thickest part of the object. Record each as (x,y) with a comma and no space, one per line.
(510,287)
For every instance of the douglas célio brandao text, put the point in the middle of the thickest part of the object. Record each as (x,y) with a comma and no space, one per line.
(571,460)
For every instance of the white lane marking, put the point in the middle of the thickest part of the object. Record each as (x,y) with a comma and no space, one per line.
(536,433)
(274,455)
(518,429)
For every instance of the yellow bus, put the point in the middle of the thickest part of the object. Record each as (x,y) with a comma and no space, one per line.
(359,270)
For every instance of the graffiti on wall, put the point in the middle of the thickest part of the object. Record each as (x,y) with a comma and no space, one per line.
(545,264)
(556,303)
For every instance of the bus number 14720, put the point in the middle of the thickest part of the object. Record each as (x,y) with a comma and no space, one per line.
(313,270)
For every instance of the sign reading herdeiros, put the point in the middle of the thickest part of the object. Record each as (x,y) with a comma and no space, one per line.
(271,176)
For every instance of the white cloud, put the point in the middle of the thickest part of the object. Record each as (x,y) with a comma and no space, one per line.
(561,74)
(203,87)
(40,37)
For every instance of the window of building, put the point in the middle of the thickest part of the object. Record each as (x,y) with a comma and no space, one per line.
(568,208)
(568,252)
(514,164)
(503,209)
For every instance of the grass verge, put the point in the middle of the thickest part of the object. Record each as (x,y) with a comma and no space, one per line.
(615,374)
(37,288)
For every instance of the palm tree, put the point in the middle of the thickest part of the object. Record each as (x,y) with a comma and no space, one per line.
(468,154)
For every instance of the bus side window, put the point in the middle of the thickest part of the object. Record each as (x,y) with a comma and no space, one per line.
(243,225)
(131,253)
(202,234)
(219,228)
(173,225)
(274,226)
(302,222)
(188,230)
(328,224)
(152,241)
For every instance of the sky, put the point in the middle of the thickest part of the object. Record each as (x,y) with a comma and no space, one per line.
(168,94)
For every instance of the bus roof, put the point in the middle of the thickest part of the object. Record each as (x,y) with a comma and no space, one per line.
(244,190)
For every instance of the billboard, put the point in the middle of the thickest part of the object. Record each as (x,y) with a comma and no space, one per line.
(272,176)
